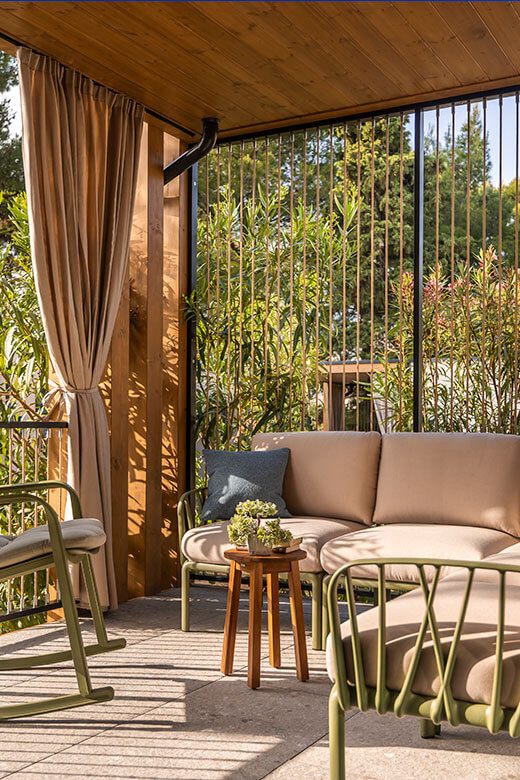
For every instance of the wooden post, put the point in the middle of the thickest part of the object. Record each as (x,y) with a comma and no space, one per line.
(154,356)
(175,371)
(148,380)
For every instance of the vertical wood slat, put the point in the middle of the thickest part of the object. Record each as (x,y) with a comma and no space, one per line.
(175,399)
(120,369)
(137,376)
(154,291)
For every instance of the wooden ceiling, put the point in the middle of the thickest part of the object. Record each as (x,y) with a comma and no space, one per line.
(258,65)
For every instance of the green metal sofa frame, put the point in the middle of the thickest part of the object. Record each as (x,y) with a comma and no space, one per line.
(431,710)
(59,557)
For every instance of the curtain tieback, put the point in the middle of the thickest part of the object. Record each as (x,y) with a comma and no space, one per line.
(82,390)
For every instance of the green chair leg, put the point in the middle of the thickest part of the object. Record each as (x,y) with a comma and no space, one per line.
(336,737)
(60,559)
(427,728)
(324,611)
(316,610)
(185,596)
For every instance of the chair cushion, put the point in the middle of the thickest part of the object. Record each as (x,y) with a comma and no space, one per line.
(207,543)
(458,542)
(330,473)
(243,476)
(450,478)
(473,673)
(85,533)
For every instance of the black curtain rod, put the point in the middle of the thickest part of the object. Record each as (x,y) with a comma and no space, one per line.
(162,118)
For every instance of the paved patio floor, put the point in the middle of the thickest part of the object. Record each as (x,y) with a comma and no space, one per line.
(175,716)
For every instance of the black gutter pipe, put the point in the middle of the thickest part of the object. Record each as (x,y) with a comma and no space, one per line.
(196,153)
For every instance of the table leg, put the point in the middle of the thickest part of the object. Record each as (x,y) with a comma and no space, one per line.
(230,626)
(273,620)
(298,625)
(255,624)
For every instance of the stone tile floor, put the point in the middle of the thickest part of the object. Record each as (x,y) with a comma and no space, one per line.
(175,716)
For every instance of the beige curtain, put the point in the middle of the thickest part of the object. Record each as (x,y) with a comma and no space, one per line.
(80,151)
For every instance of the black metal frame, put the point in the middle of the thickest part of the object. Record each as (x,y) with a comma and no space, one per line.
(418,266)
(40,425)
(191,336)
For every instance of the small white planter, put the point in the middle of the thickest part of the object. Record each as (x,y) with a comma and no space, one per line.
(256,547)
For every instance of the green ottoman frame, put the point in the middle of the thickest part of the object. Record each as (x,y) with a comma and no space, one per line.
(432,710)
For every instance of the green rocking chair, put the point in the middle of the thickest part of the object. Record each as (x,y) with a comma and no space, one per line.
(57,544)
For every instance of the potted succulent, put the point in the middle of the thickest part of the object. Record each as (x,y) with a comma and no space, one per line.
(256,527)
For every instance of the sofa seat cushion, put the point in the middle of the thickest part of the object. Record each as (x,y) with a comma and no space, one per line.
(458,542)
(450,478)
(329,473)
(473,674)
(508,556)
(85,533)
(207,543)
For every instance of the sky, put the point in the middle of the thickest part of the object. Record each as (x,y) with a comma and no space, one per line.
(14,96)
(493,129)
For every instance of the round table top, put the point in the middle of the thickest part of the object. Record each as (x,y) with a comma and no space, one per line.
(243,556)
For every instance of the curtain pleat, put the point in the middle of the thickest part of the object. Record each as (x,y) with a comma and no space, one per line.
(81,152)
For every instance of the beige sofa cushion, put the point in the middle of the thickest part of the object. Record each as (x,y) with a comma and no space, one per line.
(510,555)
(329,473)
(207,543)
(451,478)
(85,533)
(456,542)
(473,674)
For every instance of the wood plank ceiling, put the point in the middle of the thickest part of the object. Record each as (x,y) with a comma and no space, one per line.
(256,65)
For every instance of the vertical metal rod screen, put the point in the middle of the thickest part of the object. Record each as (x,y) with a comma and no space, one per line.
(361,275)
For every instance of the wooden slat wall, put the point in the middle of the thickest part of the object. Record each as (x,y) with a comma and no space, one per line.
(147,381)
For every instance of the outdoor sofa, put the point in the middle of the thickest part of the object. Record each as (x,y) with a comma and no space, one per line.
(360,495)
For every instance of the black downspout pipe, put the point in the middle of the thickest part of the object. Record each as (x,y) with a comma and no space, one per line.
(196,153)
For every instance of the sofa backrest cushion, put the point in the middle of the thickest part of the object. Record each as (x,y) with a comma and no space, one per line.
(329,473)
(453,478)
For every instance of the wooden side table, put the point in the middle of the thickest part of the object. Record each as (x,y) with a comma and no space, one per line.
(257,566)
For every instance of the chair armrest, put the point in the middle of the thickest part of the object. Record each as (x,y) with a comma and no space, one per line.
(185,509)
(443,706)
(51,517)
(18,488)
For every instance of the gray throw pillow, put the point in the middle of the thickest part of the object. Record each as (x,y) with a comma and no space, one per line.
(243,476)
